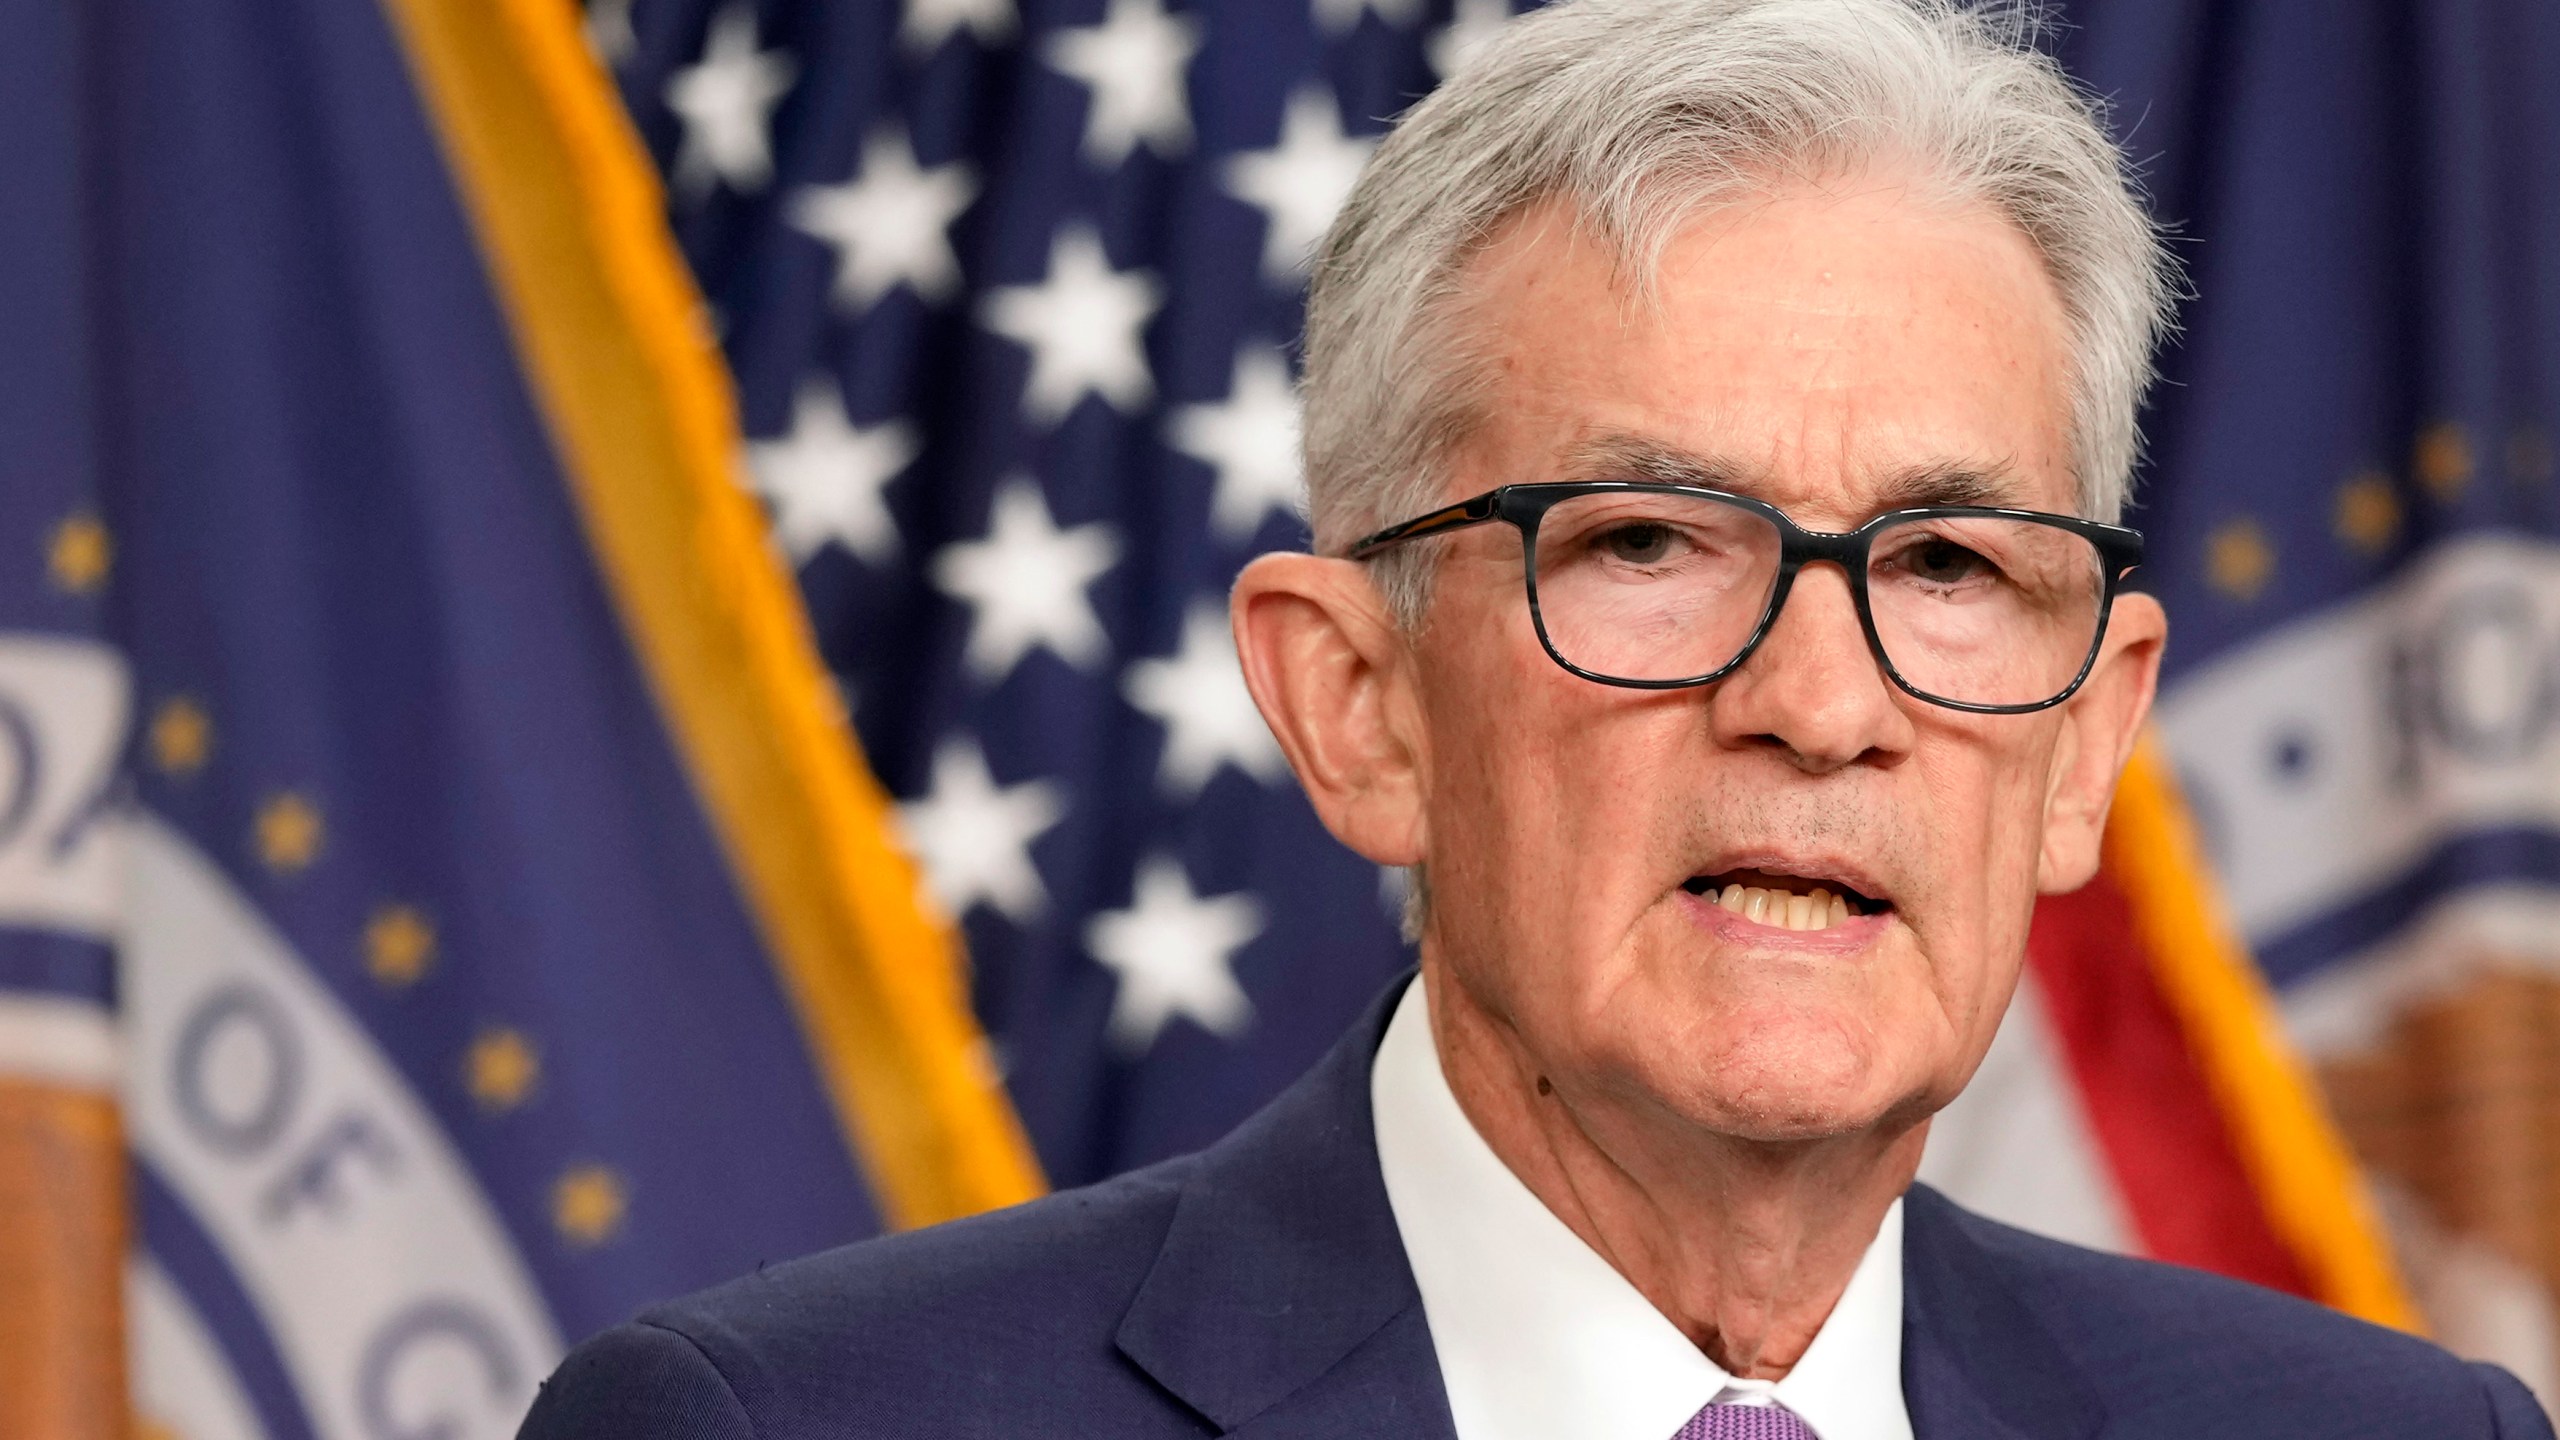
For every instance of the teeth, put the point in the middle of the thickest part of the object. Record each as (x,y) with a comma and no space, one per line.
(1784,908)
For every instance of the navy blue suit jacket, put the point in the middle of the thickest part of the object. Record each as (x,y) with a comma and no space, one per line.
(1259,1289)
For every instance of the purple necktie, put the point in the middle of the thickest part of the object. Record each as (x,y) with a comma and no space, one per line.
(1745,1422)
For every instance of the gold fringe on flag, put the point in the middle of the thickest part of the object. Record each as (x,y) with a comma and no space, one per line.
(2304,1174)
(63,1231)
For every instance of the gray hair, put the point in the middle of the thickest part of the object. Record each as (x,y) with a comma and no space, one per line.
(1642,112)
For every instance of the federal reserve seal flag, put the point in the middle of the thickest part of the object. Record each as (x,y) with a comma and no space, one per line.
(440,901)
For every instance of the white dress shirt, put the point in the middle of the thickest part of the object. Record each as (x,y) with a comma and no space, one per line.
(1539,1338)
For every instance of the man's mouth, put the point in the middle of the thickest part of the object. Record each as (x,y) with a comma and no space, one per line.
(1788,902)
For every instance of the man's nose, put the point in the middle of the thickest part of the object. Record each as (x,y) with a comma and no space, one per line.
(1813,687)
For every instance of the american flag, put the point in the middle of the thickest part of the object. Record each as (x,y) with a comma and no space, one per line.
(1011,293)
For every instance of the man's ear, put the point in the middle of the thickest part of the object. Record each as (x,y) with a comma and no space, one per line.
(2100,726)
(1330,672)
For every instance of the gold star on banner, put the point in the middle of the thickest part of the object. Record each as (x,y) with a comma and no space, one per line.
(2529,456)
(398,944)
(181,736)
(2239,559)
(288,833)
(79,554)
(587,1204)
(500,1068)
(2443,460)
(2368,512)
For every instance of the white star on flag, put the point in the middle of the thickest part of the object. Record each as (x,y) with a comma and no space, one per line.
(1083,326)
(1250,439)
(928,23)
(1025,584)
(1300,182)
(1337,17)
(1476,24)
(1209,719)
(1173,952)
(824,478)
(1134,63)
(889,223)
(726,103)
(973,837)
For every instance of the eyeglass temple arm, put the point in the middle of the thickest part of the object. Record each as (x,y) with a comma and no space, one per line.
(2122,548)
(1453,517)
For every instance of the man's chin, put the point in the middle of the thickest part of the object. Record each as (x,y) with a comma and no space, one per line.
(1783,1089)
(1785,1119)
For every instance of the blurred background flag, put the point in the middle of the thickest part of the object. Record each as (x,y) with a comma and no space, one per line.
(505,932)
(2352,521)
(1011,294)
(63,701)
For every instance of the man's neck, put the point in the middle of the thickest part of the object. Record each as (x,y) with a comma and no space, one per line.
(1745,1245)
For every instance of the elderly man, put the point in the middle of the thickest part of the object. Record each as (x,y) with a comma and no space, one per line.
(1716,412)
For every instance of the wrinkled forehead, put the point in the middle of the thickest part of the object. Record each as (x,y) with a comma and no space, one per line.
(1838,351)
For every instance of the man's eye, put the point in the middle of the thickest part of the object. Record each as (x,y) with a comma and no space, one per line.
(1942,562)
(1641,544)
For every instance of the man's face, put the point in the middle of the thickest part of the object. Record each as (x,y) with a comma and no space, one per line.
(1837,352)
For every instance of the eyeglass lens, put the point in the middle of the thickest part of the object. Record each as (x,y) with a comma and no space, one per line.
(1650,586)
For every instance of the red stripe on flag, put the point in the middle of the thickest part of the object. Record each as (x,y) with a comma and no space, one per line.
(2167,1143)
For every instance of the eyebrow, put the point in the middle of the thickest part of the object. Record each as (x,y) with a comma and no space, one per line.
(1617,455)
(1995,485)
(1624,456)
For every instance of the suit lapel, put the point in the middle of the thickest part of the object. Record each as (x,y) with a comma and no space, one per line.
(1280,1303)
(1387,1385)
(1976,1363)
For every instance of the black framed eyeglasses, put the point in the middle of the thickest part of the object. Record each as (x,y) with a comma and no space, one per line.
(1658,586)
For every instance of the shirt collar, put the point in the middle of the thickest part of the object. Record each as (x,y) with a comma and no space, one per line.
(1538,1336)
